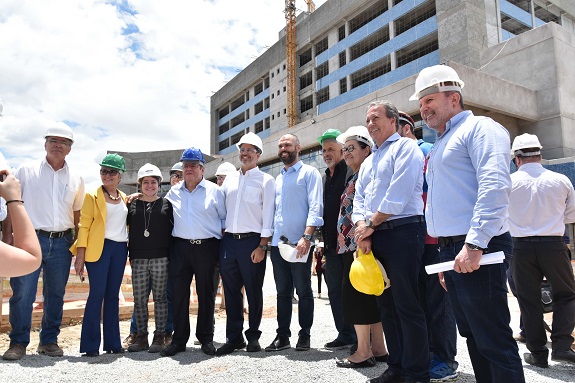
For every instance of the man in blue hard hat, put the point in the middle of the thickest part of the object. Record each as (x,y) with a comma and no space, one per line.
(199,216)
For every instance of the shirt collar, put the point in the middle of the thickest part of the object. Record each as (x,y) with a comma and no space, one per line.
(457,120)
(340,165)
(249,172)
(182,185)
(295,167)
(394,137)
(45,163)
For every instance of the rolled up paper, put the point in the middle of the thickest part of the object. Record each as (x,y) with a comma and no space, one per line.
(486,259)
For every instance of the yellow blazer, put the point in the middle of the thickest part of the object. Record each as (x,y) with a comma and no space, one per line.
(92,226)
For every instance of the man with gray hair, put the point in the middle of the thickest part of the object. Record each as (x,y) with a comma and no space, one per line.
(54,195)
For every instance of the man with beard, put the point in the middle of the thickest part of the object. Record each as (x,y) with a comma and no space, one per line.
(335,178)
(249,195)
(299,209)
(467,210)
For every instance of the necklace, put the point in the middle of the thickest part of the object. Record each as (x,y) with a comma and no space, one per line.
(109,195)
(148,207)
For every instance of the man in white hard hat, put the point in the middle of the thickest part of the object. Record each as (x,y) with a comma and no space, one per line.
(467,205)
(298,211)
(223,170)
(250,205)
(541,203)
(334,182)
(54,194)
(388,215)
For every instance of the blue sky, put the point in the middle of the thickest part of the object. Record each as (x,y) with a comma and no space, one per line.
(131,75)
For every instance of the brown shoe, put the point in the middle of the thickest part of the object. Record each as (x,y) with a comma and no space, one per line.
(129,340)
(140,343)
(157,342)
(50,349)
(167,338)
(15,352)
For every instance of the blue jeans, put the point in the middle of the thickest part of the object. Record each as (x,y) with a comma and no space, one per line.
(399,250)
(287,277)
(55,267)
(105,276)
(334,280)
(169,322)
(479,301)
(438,311)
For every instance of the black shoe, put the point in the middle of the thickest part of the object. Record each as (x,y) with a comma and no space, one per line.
(388,376)
(116,351)
(381,358)
(353,349)
(91,354)
(228,348)
(172,350)
(336,344)
(346,363)
(302,343)
(563,356)
(253,346)
(279,343)
(209,349)
(535,361)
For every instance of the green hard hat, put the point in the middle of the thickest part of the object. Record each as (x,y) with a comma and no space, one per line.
(114,161)
(330,134)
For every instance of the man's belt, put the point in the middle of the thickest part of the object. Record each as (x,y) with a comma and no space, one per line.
(243,235)
(399,222)
(198,241)
(539,238)
(447,241)
(53,234)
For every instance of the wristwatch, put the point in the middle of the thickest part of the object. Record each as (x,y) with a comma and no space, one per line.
(471,246)
(369,224)
(264,247)
(307,237)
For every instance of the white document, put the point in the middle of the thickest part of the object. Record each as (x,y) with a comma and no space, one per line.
(486,259)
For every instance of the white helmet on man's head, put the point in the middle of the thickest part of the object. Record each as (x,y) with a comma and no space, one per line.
(59,129)
(149,170)
(435,79)
(252,139)
(225,169)
(526,141)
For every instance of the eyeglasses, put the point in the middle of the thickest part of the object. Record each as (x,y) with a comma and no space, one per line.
(111,172)
(248,150)
(53,141)
(220,178)
(176,175)
(349,149)
(192,166)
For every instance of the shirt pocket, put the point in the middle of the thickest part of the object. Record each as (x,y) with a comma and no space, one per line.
(70,195)
(252,195)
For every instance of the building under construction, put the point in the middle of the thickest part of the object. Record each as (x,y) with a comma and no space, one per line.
(515,56)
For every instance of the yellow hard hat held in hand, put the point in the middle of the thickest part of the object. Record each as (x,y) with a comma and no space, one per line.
(367,274)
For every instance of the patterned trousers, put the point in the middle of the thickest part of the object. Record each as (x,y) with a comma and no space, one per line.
(144,270)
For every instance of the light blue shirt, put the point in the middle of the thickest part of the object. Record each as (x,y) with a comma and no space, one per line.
(199,214)
(299,202)
(390,181)
(469,181)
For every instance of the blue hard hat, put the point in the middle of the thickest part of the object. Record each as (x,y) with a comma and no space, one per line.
(193,154)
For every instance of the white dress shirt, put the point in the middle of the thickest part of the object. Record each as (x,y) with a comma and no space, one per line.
(51,197)
(541,202)
(250,202)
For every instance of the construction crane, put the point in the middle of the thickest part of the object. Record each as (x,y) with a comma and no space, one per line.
(291,58)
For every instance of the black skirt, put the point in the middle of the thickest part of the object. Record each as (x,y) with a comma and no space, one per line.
(358,308)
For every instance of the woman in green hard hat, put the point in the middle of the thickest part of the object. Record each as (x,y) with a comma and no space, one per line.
(102,247)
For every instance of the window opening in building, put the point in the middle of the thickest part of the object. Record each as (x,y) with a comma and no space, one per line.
(417,49)
(513,26)
(247,95)
(545,15)
(305,80)
(414,17)
(236,137)
(267,123)
(285,111)
(342,59)
(259,126)
(342,85)
(284,66)
(341,33)
(237,102)
(368,44)
(237,120)
(266,103)
(395,2)
(259,107)
(247,114)
(224,111)
(321,46)
(284,89)
(523,4)
(371,72)
(224,144)
(322,95)
(306,104)
(322,70)
(258,89)
(266,83)
(366,16)
(224,127)
(305,57)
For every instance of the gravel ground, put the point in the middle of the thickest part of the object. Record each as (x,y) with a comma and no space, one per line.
(316,365)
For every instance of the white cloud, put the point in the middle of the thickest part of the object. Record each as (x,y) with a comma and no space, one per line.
(132,75)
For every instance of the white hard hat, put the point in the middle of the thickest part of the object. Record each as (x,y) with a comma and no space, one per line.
(252,139)
(358,133)
(59,129)
(225,169)
(526,141)
(149,170)
(433,80)
(289,253)
(178,167)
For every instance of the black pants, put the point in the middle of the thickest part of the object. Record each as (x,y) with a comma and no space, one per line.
(531,261)
(189,260)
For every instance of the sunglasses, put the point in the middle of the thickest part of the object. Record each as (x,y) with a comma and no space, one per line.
(111,172)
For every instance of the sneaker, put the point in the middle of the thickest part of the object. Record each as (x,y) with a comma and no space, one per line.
(15,352)
(439,371)
(129,340)
(50,349)
(158,342)
(140,343)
